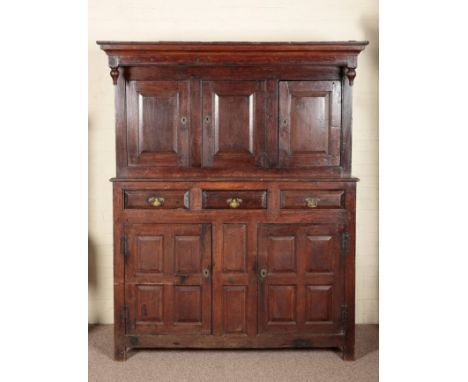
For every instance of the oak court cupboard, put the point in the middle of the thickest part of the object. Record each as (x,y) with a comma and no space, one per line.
(234,203)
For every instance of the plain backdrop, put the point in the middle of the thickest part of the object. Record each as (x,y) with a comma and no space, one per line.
(242,20)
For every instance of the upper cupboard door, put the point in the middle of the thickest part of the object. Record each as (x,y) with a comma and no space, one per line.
(233,124)
(158,123)
(309,123)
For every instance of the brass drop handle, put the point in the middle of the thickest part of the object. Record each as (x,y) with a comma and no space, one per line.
(263,273)
(206,273)
(311,202)
(234,202)
(156,201)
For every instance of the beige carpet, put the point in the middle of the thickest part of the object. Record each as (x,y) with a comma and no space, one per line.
(235,366)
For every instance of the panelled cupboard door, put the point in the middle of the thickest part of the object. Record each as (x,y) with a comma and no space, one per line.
(168,278)
(309,123)
(235,281)
(233,120)
(158,123)
(301,273)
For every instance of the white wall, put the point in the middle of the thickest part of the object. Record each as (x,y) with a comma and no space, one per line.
(244,20)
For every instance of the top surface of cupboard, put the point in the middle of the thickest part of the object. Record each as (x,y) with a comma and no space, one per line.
(233,109)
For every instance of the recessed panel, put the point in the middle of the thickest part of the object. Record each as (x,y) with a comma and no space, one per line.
(319,254)
(281,254)
(234,309)
(234,247)
(150,253)
(282,303)
(318,303)
(187,304)
(187,254)
(149,303)
(234,123)
(158,123)
(309,123)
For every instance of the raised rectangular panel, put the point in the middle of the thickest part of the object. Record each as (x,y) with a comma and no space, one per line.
(281,254)
(234,123)
(187,304)
(150,251)
(157,128)
(234,309)
(318,303)
(149,303)
(319,254)
(234,247)
(310,123)
(187,254)
(281,304)
(233,119)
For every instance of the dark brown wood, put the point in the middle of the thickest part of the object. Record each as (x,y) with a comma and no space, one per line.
(309,199)
(310,123)
(156,199)
(225,72)
(234,204)
(300,278)
(233,123)
(158,123)
(166,289)
(234,199)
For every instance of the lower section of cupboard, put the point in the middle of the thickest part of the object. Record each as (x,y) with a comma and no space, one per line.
(234,278)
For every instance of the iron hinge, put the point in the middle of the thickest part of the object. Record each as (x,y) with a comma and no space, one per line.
(344,243)
(344,317)
(123,246)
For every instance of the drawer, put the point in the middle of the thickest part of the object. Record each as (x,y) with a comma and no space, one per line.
(311,199)
(156,199)
(234,199)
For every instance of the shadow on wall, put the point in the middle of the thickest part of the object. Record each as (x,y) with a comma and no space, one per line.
(371,31)
(93,282)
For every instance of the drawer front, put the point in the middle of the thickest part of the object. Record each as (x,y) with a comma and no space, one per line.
(311,199)
(156,199)
(235,199)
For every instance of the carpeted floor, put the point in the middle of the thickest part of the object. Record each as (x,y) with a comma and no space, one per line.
(235,366)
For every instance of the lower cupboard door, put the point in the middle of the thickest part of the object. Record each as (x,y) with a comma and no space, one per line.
(301,278)
(168,278)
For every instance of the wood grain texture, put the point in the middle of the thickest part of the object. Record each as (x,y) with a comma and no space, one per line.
(268,126)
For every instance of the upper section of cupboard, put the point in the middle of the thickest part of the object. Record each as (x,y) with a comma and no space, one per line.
(233,109)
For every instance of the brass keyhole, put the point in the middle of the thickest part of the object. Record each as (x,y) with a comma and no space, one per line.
(263,273)
(183,120)
(207,119)
(206,273)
